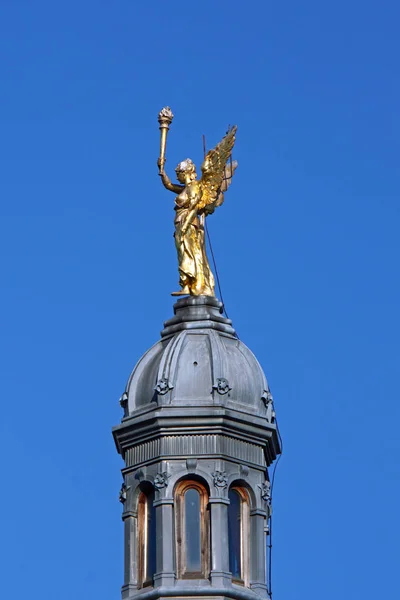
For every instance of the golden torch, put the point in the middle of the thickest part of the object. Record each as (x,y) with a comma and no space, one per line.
(165,117)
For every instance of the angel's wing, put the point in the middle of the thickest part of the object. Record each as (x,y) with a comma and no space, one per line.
(217,174)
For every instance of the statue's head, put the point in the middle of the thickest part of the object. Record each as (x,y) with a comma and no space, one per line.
(186,170)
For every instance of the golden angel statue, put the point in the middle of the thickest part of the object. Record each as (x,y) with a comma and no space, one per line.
(195,200)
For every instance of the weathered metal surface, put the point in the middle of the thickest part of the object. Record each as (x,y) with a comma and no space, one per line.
(196,407)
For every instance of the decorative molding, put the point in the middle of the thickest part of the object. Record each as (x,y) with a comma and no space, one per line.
(143,452)
(244,470)
(163,386)
(265,489)
(163,502)
(222,386)
(191,464)
(195,445)
(122,493)
(268,400)
(220,479)
(123,401)
(161,480)
(139,475)
(267,397)
(129,514)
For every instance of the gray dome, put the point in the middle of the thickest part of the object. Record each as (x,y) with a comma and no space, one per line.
(199,361)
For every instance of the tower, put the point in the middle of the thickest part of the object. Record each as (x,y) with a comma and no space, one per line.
(197,436)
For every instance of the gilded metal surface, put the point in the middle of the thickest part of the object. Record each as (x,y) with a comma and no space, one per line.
(195,200)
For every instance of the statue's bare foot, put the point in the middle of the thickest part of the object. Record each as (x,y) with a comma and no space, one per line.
(183,292)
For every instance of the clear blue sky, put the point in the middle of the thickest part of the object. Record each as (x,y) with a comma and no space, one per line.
(307,245)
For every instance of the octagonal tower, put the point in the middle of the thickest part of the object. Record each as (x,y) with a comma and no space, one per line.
(197,436)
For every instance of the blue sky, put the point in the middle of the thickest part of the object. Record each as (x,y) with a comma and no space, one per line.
(307,247)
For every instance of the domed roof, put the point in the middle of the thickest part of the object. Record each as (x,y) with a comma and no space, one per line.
(199,361)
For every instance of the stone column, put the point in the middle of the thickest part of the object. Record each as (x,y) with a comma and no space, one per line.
(165,575)
(130,553)
(220,575)
(258,552)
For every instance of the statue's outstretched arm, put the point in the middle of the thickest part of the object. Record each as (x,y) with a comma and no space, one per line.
(167,183)
(165,119)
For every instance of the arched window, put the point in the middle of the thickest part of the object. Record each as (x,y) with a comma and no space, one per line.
(146,538)
(238,534)
(192,530)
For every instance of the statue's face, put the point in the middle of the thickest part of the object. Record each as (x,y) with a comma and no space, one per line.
(186,171)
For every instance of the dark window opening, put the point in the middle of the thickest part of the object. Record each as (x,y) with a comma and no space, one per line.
(234,534)
(239,535)
(146,538)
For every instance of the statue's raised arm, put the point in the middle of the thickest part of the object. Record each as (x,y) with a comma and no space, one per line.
(165,117)
(194,201)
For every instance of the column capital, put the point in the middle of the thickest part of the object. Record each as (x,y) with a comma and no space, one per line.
(129,513)
(218,500)
(258,512)
(163,501)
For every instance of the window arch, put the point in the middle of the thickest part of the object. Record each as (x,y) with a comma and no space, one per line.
(146,538)
(192,525)
(239,534)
